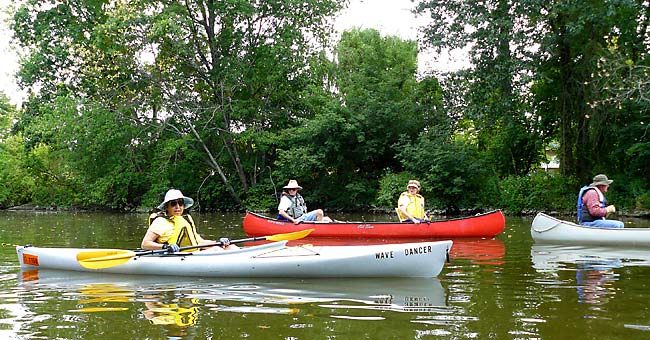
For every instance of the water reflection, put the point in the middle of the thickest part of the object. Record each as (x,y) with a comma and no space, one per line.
(179,303)
(169,313)
(479,251)
(594,268)
(551,258)
(399,293)
(593,285)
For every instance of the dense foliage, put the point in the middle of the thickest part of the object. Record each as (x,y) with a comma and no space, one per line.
(228,100)
(564,71)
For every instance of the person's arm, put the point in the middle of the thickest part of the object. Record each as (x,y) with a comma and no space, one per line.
(591,200)
(285,203)
(424,212)
(159,230)
(402,204)
(201,240)
(149,241)
(284,214)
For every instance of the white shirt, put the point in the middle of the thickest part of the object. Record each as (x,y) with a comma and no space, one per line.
(285,203)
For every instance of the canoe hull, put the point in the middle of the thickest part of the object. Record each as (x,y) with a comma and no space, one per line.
(424,259)
(548,229)
(485,225)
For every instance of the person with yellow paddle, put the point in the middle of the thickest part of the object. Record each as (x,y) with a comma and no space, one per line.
(169,232)
(170,229)
(107,258)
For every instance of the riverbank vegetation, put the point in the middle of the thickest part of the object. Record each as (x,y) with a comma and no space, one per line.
(229,100)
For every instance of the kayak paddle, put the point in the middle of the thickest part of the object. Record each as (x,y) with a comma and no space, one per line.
(106,258)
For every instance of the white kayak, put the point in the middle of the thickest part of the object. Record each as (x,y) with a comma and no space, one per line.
(549,229)
(425,259)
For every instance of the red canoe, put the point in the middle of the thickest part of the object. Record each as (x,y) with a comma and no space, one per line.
(483,225)
(479,251)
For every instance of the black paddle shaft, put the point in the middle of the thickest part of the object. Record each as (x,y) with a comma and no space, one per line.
(162,251)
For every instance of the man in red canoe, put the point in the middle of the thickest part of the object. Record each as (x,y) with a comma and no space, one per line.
(292,206)
(410,206)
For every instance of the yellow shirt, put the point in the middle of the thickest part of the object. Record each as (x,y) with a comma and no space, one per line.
(162,227)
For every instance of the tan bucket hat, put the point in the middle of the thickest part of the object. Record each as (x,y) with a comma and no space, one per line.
(293,184)
(414,183)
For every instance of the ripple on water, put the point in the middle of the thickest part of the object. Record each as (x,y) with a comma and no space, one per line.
(639,327)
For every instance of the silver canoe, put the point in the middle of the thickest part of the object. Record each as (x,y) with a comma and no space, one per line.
(425,259)
(549,229)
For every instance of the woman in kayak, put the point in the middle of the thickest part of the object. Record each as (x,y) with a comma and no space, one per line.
(170,229)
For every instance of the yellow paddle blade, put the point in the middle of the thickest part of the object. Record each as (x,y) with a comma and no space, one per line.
(103,258)
(296,235)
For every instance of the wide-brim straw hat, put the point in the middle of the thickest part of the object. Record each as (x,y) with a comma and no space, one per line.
(174,194)
(601,180)
(293,184)
(414,183)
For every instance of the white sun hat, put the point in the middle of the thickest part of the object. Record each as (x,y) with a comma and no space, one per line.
(174,194)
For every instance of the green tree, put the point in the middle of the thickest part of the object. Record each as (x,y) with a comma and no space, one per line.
(450,172)
(539,74)
(493,96)
(580,87)
(18,184)
(376,103)
(624,92)
(211,79)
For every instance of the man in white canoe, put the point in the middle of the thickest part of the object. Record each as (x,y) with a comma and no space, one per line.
(592,205)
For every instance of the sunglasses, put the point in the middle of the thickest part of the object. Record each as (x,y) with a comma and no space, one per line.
(179,202)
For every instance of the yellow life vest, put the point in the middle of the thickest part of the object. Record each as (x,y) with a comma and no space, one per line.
(184,233)
(415,207)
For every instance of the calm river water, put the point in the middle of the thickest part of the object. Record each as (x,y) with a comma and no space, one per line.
(505,288)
